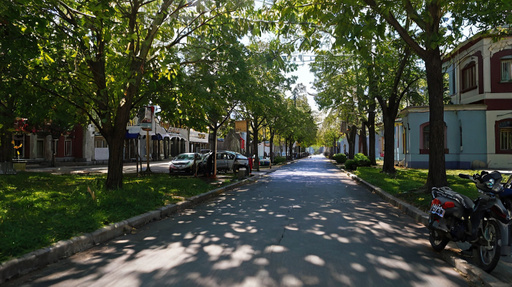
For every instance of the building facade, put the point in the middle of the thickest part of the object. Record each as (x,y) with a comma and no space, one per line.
(478,120)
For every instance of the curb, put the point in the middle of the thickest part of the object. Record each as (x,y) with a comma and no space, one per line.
(473,272)
(65,248)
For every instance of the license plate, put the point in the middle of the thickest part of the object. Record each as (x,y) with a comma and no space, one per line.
(437,209)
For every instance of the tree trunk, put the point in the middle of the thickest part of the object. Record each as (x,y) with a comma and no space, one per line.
(371,131)
(436,164)
(114,135)
(290,143)
(6,147)
(389,145)
(115,161)
(272,133)
(247,141)
(255,148)
(6,124)
(351,138)
(214,154)
(362,138)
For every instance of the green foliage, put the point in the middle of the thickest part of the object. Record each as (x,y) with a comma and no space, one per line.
(351,164)
(38,209)
(362,160)
(117,56)
(359,160)
(279,159)
(340,158)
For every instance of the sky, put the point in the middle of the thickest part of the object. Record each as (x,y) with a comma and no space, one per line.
(305,77)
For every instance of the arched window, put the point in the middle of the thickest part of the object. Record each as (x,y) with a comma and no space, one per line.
(503,136)
(424,138)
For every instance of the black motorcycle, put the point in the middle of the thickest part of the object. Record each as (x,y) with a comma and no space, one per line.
(480,222)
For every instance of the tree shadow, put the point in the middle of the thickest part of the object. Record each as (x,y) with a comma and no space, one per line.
(303,225)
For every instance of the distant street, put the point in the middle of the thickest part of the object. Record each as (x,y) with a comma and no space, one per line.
(306,224)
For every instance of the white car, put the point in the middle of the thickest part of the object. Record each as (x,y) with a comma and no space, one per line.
(184,162)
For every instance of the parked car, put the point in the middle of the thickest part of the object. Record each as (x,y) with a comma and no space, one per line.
(240,161)
(227,161)
(264,161)
(184,162)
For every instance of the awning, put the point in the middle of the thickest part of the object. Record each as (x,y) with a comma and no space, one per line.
(132,132)
(157,137)
(174,135)
(130,136)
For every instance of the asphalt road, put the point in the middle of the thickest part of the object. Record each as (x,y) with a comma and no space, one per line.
(306,224)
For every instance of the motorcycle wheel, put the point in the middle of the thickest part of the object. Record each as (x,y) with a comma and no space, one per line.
(437,240)
(488,254)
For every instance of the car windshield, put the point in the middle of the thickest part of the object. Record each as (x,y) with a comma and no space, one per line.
(185,156)
(240,156)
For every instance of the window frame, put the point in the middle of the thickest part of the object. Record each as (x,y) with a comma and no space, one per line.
(68,148)
(506,61)
(469,77)
(499,128)
(425,138)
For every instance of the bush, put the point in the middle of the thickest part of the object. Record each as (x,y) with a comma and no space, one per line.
(351,164)
(340,158)
(362,160)
(279,159)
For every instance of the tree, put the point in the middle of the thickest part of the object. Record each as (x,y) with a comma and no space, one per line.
(18,48)
(432,30)
(393,77)
(330,132)
(435,25)
(215,79)
(341,80)
(102,54)
(265,90)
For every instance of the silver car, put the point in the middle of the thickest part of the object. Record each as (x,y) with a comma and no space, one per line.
(229,161)
(184,162)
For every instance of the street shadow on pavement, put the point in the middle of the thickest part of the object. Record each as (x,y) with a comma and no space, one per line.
(269,236)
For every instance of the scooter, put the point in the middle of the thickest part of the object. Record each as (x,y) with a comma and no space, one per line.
(483,222)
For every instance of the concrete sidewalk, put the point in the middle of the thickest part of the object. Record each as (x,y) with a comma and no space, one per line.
(501,276)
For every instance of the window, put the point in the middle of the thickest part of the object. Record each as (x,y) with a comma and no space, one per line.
(68,148)
(504,136)
(506,69)
(424,138)
(404,141)
(40,149)
(100,142)
(469,77)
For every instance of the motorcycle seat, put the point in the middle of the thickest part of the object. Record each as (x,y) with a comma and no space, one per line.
(449,193)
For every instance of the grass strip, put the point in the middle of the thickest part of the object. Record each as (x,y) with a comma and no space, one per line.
(39,209)
(409,184)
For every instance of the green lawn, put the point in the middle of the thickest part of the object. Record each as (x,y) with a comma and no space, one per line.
(38,209)
(409,184)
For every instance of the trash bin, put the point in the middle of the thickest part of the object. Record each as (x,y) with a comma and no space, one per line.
(241,173)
